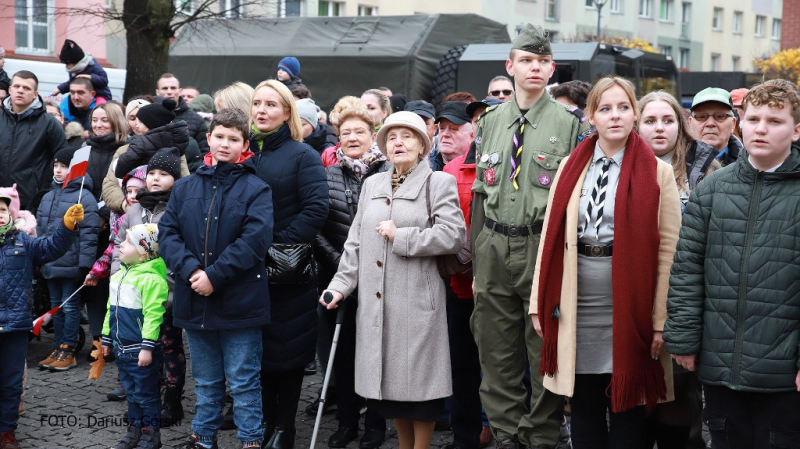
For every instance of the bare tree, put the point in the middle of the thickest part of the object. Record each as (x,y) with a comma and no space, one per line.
(150,25)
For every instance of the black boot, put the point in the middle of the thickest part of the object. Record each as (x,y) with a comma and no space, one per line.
(282,438)
(171,408)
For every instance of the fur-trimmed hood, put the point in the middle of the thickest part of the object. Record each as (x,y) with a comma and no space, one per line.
(26,222)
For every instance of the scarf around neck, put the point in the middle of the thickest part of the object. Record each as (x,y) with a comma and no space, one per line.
(397,180)
(360,166)
(260,136)
(636,377)
(149,200)
(81,65)
(4,230)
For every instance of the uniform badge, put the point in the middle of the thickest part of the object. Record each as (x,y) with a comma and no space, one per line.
(553,139)
(495,158)
(544,179)
(478,140)
(489,177)
(484,158)
(541,157)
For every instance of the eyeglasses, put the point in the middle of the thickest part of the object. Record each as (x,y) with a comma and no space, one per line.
(496,93)
(719,117)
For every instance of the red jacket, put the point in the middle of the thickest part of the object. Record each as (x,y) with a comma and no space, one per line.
(329,156)
(463,168)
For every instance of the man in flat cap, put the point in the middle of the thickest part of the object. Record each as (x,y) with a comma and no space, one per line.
(519,146)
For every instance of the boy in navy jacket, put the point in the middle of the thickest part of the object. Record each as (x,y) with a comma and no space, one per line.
(214,237)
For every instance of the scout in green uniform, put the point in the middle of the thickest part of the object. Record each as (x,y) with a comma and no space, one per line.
(519,147)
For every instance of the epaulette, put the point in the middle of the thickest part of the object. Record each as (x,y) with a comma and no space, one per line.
(489,109)
(577,112)
(582,136)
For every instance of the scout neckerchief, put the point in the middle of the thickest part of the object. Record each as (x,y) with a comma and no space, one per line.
(516,155)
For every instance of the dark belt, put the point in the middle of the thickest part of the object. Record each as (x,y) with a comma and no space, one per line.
(513,231)
(595,250)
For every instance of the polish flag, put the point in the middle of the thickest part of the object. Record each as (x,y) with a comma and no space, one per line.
(77,168)
(43,320)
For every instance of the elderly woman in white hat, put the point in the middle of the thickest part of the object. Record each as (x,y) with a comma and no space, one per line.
(406,217)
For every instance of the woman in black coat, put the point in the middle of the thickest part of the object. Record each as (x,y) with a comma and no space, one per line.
(295,173)
(357,159)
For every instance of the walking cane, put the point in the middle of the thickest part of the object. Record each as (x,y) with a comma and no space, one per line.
(328,297)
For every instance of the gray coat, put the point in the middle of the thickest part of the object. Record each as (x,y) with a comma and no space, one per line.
(402,351)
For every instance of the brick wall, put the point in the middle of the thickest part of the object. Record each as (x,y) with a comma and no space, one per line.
(790,24)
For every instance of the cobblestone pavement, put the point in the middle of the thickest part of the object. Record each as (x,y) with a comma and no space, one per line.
(65,410)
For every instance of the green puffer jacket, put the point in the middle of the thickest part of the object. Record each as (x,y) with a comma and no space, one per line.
(734,296)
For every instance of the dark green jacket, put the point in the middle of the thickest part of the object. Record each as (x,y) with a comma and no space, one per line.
(734,296)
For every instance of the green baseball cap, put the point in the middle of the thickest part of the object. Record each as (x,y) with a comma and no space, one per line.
(712,94)
(533,39)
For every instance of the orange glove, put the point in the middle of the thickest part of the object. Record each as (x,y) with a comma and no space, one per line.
(73,216)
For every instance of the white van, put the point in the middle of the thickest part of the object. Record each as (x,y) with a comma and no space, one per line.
(51,74)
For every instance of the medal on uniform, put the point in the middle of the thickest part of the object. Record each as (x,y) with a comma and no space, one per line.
(495,158)
(553,139)
(484,158)
(489,177)
(544,179)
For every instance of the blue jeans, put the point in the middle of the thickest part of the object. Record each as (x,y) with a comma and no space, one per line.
(67,320)
(234,355)
(141,385)
(13,349)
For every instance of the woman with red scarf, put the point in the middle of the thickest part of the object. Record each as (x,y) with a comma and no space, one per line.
(600,286)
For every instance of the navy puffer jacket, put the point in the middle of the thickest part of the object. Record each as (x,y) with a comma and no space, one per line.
(219,220)
(300,191)
(20,253)
(83,251)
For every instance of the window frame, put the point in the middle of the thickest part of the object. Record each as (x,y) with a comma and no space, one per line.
(647,5)
(759,31)
(717,16)
(362,8)
(552,9)
(668,6)
(736,26)
(776,21)
(30,23)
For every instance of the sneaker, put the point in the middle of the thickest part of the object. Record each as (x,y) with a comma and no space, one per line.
(150,439)
(130,439)
(194,444)
(117,394)
(8,440)
(44,364)
(65,359)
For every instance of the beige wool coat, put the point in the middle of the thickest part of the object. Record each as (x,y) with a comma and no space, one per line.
(402,351)
(669,223)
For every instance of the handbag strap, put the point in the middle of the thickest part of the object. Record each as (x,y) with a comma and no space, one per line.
(428,198)
(348,196)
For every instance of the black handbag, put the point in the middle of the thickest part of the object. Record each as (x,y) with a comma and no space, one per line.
(290,263)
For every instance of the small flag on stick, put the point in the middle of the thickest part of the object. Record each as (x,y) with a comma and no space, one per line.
(78,166)
(44,319)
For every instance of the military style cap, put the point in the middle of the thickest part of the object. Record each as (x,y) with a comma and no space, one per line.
(533,39)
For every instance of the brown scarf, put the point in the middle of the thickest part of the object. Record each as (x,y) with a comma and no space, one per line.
(636,377)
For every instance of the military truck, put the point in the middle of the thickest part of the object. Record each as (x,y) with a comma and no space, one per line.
(470,68)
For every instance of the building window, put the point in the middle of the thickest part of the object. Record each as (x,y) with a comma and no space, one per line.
(666,11)
(551,10)
(716,19)
(646,8)
(760,25)
(330,9)
(290,8)
(231,8)
(665,50)
(184,6)
(714,62)
(735,63)
(616,5)
(590,4)
(683,61)
(364,10)
(686,17)
(737,22)
(34,26)
(776,29)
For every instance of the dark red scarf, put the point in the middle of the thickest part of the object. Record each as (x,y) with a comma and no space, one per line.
(636,377)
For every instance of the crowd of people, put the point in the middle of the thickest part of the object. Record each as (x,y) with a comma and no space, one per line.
(551,266)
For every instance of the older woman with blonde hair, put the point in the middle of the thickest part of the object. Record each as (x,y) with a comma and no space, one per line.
(602,273)
(406,217)
(300,197)
(329,155)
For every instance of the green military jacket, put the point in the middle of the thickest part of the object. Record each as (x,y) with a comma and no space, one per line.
(552,132)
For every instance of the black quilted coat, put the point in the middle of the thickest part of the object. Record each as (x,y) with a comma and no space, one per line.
(734,297)
(329,244)
(295,173)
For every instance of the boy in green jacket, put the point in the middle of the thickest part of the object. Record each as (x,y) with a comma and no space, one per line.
(734,299)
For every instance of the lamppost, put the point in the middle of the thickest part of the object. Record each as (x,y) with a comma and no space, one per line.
(599,5)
